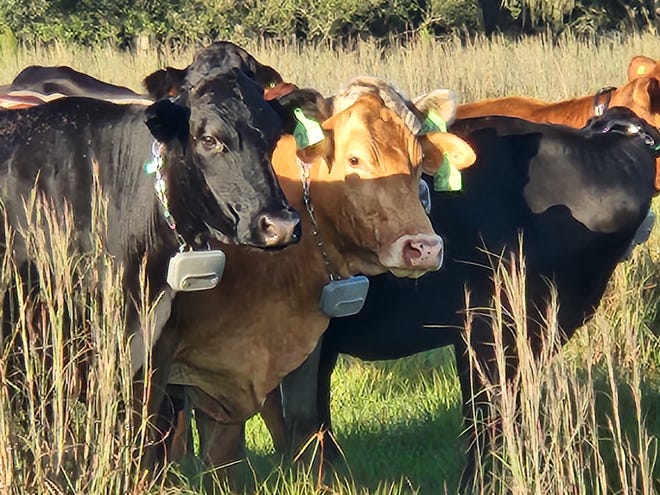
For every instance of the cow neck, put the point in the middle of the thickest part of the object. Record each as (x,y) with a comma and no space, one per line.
(330,268)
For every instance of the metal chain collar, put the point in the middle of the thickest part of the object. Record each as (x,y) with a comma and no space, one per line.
(155,166)
(307,199)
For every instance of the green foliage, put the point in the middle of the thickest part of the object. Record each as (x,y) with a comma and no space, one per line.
(8,42)
(447,15)
(123,22)
(583,16)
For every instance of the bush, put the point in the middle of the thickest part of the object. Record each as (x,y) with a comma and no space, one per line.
(122,22)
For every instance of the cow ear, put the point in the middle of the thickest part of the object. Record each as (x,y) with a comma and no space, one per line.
(640,66)
(168,121)
(309,101)
(440,102)
(164,82)
(646,94)
(438,146)
(302,112)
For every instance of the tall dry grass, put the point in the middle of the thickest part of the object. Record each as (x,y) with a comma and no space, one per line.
(581,427)
(569,422)
(67,391)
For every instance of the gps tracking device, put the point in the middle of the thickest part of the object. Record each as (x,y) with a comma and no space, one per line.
(344,297)
(195,270)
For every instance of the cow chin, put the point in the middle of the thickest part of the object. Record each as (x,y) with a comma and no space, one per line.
(407,273)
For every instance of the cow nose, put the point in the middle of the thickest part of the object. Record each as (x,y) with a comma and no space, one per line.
(424,252)
(279,231)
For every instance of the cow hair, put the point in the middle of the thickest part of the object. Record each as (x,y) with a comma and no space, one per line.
(392,98)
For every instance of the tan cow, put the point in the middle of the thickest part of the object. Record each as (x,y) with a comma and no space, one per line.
(237,341)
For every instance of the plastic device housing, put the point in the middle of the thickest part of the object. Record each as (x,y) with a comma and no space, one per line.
(344,297)
(195,270)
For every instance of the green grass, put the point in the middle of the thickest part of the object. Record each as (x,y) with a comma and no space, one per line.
(398,422)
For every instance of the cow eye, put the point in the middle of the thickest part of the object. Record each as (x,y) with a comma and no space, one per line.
(354,161)
(212,143)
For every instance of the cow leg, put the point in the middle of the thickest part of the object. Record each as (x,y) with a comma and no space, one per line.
(327,362)
(299,404)
(273,416)
(223,446)
(162,413)
(479,379)
(475,413)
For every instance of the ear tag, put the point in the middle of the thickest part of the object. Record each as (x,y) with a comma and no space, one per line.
(307,132)
(195,270)
(433,123)
(447,177)
(641,70)
(344,297)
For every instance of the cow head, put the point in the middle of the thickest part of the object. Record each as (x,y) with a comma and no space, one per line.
(365,177)
(219,136)
(169,82)
(642,95)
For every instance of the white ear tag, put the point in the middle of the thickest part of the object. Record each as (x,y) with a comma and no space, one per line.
(344,297)
(195,270)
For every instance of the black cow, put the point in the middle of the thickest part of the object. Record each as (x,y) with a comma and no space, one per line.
(215,144)
(577,196)
(169,81)
(47,80)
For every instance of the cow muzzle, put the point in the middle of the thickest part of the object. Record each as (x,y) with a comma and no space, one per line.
(277,230)
(413,255)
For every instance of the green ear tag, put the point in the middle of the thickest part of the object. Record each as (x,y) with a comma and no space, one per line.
(447,178)
(433,123)
(307,132)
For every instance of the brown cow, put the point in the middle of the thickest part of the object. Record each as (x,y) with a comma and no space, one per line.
(641,94)
(236,342)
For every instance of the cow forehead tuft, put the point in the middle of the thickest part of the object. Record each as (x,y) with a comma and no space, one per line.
(391,97)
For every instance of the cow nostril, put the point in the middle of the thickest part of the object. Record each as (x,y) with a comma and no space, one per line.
(275,231)
(268,228)
(412,250)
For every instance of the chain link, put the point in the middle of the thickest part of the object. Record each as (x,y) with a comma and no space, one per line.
(160,187)
(307,199)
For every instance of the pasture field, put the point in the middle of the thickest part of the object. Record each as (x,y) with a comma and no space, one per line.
(590,419)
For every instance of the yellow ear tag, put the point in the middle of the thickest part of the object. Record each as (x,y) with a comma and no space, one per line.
(307,132)
(447,178)
(641,70)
